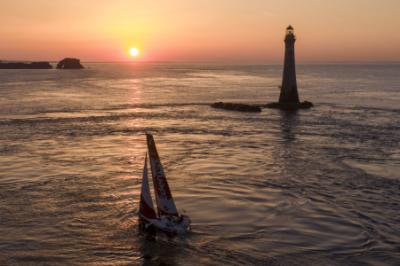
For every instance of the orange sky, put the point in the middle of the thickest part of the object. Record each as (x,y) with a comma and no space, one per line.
(237,31)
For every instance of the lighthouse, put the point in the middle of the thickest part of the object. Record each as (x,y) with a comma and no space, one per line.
(289,96)
(289,92)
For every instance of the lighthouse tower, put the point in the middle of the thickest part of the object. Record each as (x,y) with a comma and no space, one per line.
(289,94)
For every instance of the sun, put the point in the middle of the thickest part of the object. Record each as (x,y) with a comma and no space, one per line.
(134,52)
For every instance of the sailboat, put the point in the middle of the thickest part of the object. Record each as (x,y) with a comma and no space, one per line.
(166,219)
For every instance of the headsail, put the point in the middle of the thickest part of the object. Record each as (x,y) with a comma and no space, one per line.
(146,209)
(164,200)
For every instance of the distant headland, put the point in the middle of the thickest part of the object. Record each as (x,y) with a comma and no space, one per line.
(25,65)
(66,63)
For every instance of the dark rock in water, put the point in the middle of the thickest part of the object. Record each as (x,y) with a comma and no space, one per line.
(290,106)
(22,65)
(236,107)
(69,63)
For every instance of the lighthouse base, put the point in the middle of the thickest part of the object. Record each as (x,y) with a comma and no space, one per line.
(290,106)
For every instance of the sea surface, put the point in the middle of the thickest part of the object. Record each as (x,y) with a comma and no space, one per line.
(313,187)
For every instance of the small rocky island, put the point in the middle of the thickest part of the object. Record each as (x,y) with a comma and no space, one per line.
(25,65)
(241,107)
(70,63)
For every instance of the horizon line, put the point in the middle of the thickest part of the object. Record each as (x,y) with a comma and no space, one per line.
(212,62)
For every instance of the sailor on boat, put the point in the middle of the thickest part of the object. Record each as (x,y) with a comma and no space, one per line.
(167,219)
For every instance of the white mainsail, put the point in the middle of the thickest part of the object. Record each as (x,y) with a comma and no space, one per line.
(146,209)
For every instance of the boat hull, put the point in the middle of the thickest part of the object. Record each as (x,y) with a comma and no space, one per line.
(171,226)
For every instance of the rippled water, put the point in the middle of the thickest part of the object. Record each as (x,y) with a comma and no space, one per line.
(316,187)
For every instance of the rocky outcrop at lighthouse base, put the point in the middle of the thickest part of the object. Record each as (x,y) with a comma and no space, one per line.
(290,106)
(69,63)
(241,107)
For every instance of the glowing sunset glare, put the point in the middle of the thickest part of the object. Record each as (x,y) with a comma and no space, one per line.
(134,52)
